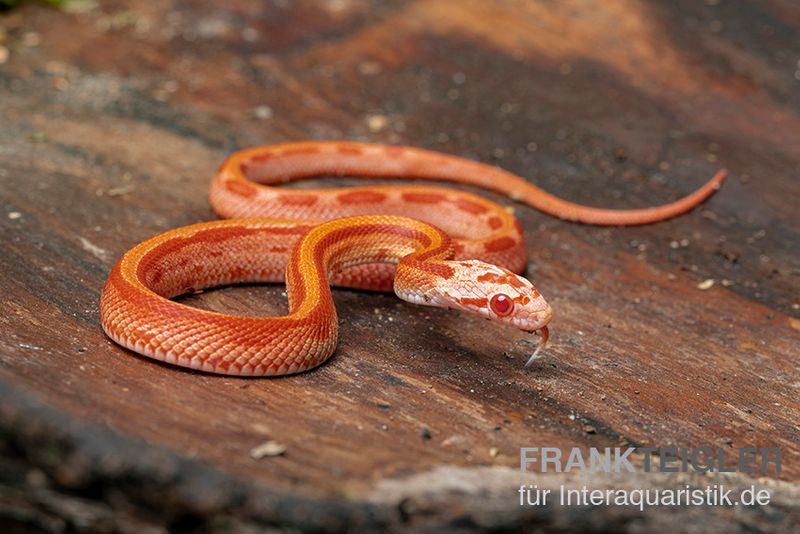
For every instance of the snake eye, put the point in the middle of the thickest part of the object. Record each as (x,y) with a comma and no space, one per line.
(501,304)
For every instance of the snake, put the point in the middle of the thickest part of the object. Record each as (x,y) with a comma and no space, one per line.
(432,245)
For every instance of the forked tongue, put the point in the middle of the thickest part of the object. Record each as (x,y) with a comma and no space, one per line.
(545,333)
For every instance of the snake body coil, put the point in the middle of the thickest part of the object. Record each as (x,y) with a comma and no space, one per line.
(432,245)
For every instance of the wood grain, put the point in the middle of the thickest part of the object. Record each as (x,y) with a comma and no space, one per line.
(112,122)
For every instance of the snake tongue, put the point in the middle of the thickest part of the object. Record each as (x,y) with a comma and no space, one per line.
(545,333)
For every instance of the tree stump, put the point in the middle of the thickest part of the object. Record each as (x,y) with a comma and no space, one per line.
(684,333)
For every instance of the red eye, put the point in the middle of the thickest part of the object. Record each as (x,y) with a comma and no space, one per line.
(501,304)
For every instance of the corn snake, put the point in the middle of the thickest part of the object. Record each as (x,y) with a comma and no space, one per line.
(432,245)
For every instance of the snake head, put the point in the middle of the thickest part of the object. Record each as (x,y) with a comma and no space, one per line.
(502,296)
(473,286)
(497,294)
(476,287)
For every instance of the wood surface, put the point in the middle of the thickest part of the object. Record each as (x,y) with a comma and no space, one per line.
(114,118)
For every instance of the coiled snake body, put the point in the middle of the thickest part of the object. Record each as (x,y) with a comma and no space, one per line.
(432,245)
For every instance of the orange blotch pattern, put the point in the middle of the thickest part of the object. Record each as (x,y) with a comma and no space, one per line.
(423,198)
(349,150)
(262,157)
(470,206)
(492,278)
(240,188)
(360,197)
(394,151)
(300,150)
(501,243)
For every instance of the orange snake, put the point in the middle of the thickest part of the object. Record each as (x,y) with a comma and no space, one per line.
(433,245)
